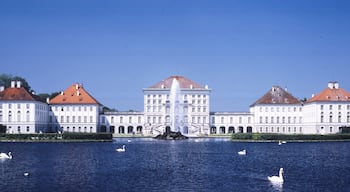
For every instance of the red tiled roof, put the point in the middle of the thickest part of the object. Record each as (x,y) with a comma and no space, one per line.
(18,94)
(331,94)
(75,94)
(277,95)
(183,82)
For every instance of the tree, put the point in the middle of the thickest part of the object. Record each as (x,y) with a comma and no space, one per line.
(5,80)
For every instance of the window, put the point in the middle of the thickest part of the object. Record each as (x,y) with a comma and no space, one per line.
(67,119)
(27,106)
(272,120)
(339,118)
(121,119)
(240,120)
(10,116)
(222,119)
(266,119)
(330,107)
(278,120)
(261,119)
(331,129)
(19,116)
(18,106)
(339,107)
(28,129)
(130,119)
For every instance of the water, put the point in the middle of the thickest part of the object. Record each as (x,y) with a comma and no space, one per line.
(187,165)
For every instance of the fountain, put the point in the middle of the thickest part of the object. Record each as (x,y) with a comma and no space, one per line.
(176,114)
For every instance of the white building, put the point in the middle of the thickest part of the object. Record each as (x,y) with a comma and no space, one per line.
(277,111)
(327,111)
(231,122)
(75,110)
(21,111)
(192,106)
(130,122)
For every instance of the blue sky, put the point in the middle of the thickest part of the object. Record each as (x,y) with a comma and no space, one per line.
(240,48)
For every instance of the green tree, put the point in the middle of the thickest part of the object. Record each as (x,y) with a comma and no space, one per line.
(5,80)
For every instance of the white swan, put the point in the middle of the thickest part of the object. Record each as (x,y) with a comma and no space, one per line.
(243,152)
(121,149)
(277,179)
(6,156)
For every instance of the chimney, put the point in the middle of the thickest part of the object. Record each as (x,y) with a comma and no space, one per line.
(19,84)
(206,87)
(62,93)
(331,85)
(313,95)
(76,86)
(48,100)
(13,84)
(336,85)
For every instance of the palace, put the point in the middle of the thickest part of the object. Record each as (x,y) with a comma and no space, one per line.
(75,110)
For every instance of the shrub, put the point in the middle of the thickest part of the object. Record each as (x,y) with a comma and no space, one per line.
(290,137)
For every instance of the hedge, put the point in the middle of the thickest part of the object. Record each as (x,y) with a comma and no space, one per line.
(274,137)
(56,136)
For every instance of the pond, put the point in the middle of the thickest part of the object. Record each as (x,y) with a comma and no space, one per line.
(207,164)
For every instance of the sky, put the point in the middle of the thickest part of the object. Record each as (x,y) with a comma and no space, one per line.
(115,48)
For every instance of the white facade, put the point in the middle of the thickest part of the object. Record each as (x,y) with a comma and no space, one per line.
(194,106)
(231,122)
(75,118)
(74,110)
(22,113)
(278,118)
(328,111)
(123,122)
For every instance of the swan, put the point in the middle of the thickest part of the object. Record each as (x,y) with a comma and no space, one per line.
(279,142)
(277,179)
(121,149)
(243,152)
(6,156)
(26,174)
